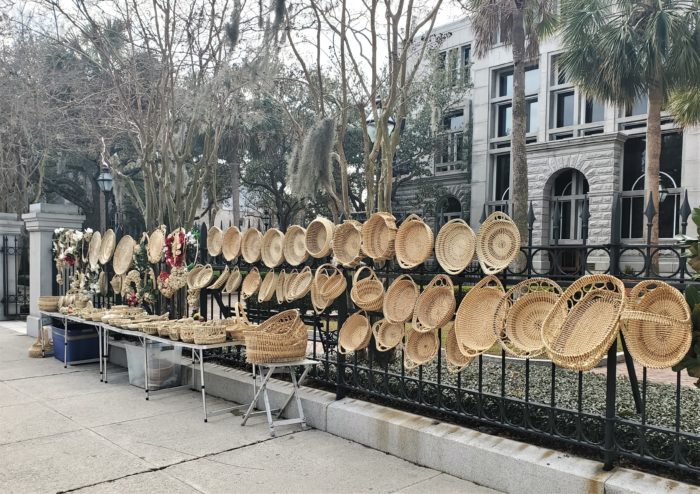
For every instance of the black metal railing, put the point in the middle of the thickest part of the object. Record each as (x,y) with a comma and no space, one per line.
(14,276)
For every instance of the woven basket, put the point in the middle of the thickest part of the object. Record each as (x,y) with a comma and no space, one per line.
(102,284)
(200,277)
(420,348)
(298,284)
(435,306)
(294,248)
(367,293)
(400,299)
(497,243)
(251,283)
(318,302)
(221,280)
(319,236)
(455,246)
(187,331)
(123,255)
(94,250)
(231,244)
(378,235)
(238,324)
(210,333)
(279,289)
(387,335)
(413,243)
(475,316)
(251,245)
(584,322)
(456,361)
(267,287)
(233,282)
(215,241)
(109,240)
(347,243)
(273,248)
(657,325)
(355,333)
(520,313)
(48,303)
(335,285)
(281,338)
(156,242)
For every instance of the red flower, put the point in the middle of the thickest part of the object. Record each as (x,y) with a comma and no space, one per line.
(164,275)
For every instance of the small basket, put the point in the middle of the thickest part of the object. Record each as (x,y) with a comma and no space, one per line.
(109,240)
(456,361)
(281,338)
(267,287)
(387,335)
(319,236)
(233,282)
(318,302)
(413,243)
(156,242)
(367,293)
(294,248)
(455,246)
(272,248)
(657,325)
(355,333)
(347,243)
(94,250)
(187,331)
(334,286)
(199,279)
(297,285)
(400,299)
(221,280)
(475,315)
(279,289)
(215,240)
(497,243)
(123,255)
(210,333)
(231,244)
(251,245)
(421,348)
(251,283)
(378,236)
(435,306)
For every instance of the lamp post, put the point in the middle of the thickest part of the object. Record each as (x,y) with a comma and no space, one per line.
(106,184)
(372,130)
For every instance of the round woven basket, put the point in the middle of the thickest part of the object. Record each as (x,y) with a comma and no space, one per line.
(281,338)
(657,325)
(475,315)
(279,288)
(102,284)
(210,333)
(233,282)
(413,243)
(231,243)
(347,243)
(294,248)
(251,283)
(584,322)
(455,246)
(221,280)
(123,255)
(156,242)
(273,248)
(251,245)
(387,335)
(192,275)
(400,299)
(420,348)
(215,241)
(497,243)
(355,333)
(367,293)
(520,313)
(202,279)
(298,285)
(456,361)
(48,303)
(318,302)
(319,236)
(378,235)
(109,240)
(435,306)
(94,250)
(335,284)
(267,287)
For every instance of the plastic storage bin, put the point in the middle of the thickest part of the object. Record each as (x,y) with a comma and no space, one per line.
(163,365)
(83,344)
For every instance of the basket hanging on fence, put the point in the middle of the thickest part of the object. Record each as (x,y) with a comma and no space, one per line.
(221,280)
(200,277)
(335,284)
(378,236)
(413,243)
(319,236)
(210,333)
(294,248)
(279,289)
(94,250)
(367,293)
(347,243)
(520,313)
(387,335)
(231,243)
(156,242)
(475,315)
(456,361)
(318,302)
(215,241)
(109,240)
(584,322)
(251,245)
(400,299)
(238,324)
(497,243)
(272,248)
(251,283)
(281,338)
(298,284)
(657,325)
(123,255)
(267,287)
(233,282)
(420,348)
(355,333)
(435,306)
(455,246)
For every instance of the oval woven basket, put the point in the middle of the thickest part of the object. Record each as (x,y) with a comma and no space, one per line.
(279,289)
(294,248)
(497,243)
(435,306)
(238,323)
(456,361)
(347,243)
(584,322)
(400,299)
(233,282)
(200,277)
(267,287)
(215,241)
(281,338)
(455,246)
(420,348)
(251,283)
(298,285)
(272,248)
(156,242)
(109,240)
(387,335)
(657,325)
(378,236)
(475,315)
(210,333)
(251,245)
(355,333)
(367,293)
(318,302)
(334,286)
(319,237)
(413,243)
(231,243)
(520,313)
(221,280)
(94,250)
(123,255)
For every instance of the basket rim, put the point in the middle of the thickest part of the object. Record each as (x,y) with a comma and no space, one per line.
(504,221)
(445,262)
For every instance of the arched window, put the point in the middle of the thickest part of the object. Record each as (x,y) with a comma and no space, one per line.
(568,192)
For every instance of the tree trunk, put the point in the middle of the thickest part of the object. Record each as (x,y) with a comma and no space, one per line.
(519,188)
(236,193)
(653,155)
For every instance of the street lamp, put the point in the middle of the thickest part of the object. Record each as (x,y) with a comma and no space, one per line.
(106,184)
(372,125)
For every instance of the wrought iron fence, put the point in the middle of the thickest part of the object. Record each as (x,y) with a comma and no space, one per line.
(14,276)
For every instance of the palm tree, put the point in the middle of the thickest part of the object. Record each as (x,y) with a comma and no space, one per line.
(684,105)
(520,24)
(622,50)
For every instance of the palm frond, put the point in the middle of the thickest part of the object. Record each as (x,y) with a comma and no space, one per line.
(684,105)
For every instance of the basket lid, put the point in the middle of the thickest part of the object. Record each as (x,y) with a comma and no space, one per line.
(215,240)
(109,240)
(231,243)
(94,249)
(123,254)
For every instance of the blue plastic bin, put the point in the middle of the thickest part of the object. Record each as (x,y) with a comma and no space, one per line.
(83,344)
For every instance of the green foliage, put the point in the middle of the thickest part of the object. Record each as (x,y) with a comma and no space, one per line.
(691,361)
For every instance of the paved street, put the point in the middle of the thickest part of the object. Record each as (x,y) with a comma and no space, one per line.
(63,430)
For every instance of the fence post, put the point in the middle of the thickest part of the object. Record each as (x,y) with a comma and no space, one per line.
(615,236)
(340,391)
(10,231)
(610,449)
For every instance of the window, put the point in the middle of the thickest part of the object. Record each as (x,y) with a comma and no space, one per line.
(450,142)
(504,120)
(532,80)
(638,108)
(502,106)
(501,177)
(453,120)
(450,208)
(457,61)
(505,83)
(564,109)
(594,111)
(532,115)
(557,76)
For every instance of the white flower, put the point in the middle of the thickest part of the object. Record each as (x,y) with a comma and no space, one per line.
(88,231)
(58,230)
(78,235)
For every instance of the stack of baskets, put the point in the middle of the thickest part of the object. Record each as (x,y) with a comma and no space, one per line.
(48,303)
(281,338)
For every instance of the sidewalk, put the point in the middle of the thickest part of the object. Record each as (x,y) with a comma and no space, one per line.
(64,430)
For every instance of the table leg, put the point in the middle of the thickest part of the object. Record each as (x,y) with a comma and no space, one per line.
(301,380)
(65,342)
(257,395)
(298,398)
(41,335)
(145,365)
(201,378)
(99,346)
(270,421)
(105,351)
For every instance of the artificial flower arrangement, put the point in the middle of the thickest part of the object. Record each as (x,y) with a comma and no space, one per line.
(65,250)
(175,253)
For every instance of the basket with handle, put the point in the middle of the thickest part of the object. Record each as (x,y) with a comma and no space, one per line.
(187,331)
(475,315)
(455,246)
(456,360)
(319,236)
(210,333)
(233,282)
(378,236)
(413,243)
(657,325)
(420,348)
(367,293)
(387,335)
(319,302)
(497,243)
(281,338)
(251,283)
(435,306)
(173,328)
(347,243)
(400,299)
(335,284)
(221,280)
(251,245)
(279,288)
(298,284)
(267,287)
(231,244)
(236,325)
(294,247)
(355,333)
(272,248)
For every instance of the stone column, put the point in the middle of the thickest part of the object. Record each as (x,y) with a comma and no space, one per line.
(41,221)
(10,229)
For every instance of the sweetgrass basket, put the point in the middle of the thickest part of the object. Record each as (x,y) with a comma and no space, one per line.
(294,247)
(281,338)
(367,293)
(387,335)
(298,284)
(251,283)
(272,248)
(355,333)
(420,348)
(335,284)
(319,236)
(456,360)
(455,246)
(475,315)
(400,299)
(435,306)
(210,333)
(497,243)
(347,243)
(378,236)
(251,245)
(267,287)
(413,243)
